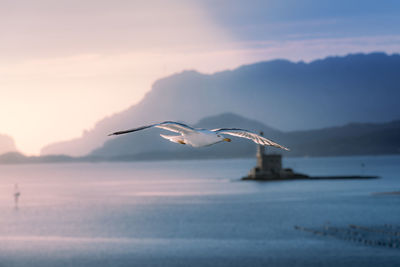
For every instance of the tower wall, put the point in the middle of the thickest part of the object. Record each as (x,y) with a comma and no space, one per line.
(270,163)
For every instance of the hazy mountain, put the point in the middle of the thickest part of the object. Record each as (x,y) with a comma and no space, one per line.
(280,93)
(6,144)
(351,139)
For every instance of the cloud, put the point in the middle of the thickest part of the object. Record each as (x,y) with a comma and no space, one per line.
(316,48)
(53,28)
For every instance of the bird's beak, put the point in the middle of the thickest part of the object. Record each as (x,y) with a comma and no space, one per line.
(227,139)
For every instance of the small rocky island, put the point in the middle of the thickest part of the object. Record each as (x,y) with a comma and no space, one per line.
(269,168)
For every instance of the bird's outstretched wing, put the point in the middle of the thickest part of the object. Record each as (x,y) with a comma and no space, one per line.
(172,126)
(249,135)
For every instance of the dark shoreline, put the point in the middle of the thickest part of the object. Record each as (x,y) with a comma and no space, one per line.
(18,158)
(339,177)
(387,193)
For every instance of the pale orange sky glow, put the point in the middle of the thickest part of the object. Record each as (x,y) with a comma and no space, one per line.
(67,64)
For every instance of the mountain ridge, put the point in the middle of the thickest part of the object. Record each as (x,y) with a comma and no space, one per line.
(287,95)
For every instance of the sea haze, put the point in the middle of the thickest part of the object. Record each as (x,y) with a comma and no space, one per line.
(193,213)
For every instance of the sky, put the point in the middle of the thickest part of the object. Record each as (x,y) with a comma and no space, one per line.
(66,64)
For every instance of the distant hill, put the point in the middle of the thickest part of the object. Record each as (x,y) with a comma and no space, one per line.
(6,144)
(280,93)
(18,158)
(351,139)
(347,140)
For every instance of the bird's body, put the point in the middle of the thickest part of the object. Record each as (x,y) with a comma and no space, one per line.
(198,138)
(203,137)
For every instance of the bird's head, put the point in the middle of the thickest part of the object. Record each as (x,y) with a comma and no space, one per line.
(223,138)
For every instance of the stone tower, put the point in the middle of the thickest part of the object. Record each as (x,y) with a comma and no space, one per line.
(269,168)
(268,163)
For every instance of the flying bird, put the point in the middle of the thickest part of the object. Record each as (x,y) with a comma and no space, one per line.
(202,137)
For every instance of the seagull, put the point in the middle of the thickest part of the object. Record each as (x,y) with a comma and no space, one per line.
(196,137)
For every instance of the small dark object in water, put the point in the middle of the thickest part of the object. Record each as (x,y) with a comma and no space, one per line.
(383,236)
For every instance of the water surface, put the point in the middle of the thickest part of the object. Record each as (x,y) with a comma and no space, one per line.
(192,213)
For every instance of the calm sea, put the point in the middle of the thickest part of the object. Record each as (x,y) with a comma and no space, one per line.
(193,213)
